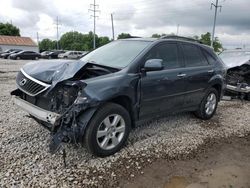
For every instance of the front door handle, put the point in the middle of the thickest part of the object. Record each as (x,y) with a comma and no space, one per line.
(181,75)
(211,71)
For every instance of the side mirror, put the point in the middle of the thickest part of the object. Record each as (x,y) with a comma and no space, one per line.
(153,65)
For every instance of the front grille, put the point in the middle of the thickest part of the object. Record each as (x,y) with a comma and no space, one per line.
(30,85)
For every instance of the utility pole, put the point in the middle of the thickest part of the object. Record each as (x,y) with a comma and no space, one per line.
(112,21)
(37,38)
(93,8)
(57,33)
(177,32)
(215,17)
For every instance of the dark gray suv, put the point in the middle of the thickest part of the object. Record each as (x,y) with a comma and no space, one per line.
(99,98)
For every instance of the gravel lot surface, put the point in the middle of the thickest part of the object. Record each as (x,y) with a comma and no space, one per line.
(26,162)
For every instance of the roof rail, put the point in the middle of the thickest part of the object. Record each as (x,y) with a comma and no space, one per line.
(181,38)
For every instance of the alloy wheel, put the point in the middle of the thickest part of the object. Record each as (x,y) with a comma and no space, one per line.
(110,131)
(210,104)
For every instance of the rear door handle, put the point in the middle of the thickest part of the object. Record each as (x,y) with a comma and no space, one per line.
(211,71)
(181,75)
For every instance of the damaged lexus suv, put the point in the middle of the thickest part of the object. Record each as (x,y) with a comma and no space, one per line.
(96,100)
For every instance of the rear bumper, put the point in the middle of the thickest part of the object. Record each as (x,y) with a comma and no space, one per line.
(238,89)
(39,113)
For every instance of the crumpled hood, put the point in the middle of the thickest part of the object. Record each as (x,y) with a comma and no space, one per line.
(53,71)
(231,62)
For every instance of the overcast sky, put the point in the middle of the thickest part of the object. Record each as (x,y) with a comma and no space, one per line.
(137,17)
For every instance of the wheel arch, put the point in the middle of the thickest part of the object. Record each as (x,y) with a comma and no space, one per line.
(125,102)
(217,83)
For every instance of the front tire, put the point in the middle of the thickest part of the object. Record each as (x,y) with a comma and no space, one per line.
(108,130)
(208,105)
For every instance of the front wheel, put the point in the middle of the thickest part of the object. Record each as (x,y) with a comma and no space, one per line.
(108,130)
(208,105)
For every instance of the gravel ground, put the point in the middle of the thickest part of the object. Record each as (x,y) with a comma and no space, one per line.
(26,162)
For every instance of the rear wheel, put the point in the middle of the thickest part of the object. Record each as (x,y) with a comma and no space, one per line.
(208,105)
(108,130)
(36,58)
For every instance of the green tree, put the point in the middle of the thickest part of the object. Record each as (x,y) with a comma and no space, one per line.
(82,42)
(206,39)
(156,35)
(47,44)
(72,41)
(124,36)
(102,41)
(9,29)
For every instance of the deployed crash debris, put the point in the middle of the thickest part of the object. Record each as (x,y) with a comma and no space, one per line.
(238,73)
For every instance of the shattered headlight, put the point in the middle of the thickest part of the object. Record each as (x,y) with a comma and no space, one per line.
(80,100)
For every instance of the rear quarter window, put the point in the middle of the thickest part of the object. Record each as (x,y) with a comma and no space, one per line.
(211,60)
(193,56)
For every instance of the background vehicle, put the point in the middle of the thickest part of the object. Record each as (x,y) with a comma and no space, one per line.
(6,55)
(98,99)
(71,55)
(238,72)
(51,54)
(8,51)
(25,55)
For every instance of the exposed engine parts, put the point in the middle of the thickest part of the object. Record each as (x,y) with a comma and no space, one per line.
(238,81)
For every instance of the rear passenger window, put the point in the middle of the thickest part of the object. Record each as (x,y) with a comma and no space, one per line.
(168,53)
(193,56)
(211,60)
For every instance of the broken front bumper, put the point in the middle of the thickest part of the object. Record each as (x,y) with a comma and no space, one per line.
(39,113)
(239,89)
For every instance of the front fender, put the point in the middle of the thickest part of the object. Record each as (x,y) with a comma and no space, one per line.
(83,121)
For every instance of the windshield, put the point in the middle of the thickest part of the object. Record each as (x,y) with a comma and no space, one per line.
(116,54)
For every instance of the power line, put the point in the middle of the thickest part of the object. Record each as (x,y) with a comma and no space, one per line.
(94,8)
(215,17)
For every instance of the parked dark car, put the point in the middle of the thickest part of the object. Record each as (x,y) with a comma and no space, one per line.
(238,72)
(25,55)
(6,55)
(7,51)
(98,99)
(51,54)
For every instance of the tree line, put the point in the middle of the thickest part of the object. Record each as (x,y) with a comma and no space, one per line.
(74,40)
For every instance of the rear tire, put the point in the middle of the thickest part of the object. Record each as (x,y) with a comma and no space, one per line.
(108,130)
(208,105)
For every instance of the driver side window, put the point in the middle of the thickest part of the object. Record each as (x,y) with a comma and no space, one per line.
(168,52)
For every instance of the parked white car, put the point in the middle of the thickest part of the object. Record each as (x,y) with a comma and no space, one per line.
(71,55)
